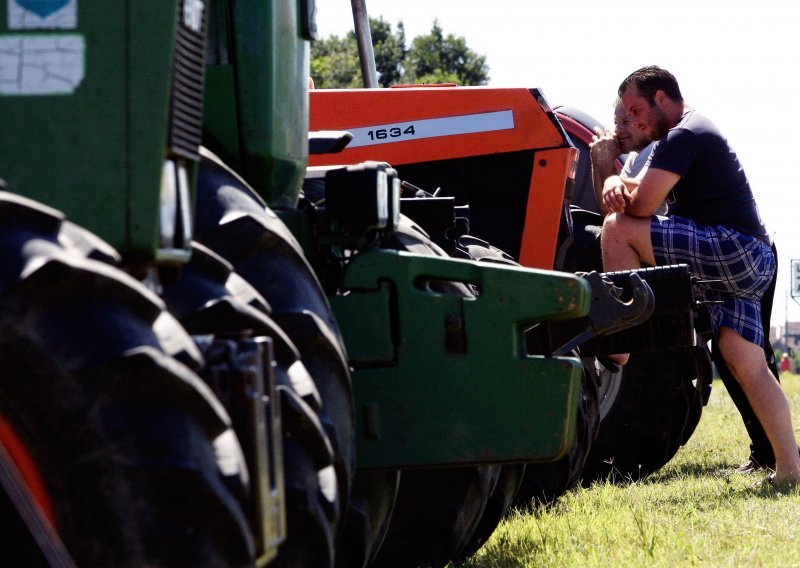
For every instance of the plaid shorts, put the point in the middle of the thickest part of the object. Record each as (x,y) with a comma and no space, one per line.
(742,266)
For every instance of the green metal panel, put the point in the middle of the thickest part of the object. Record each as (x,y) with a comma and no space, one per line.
(152,34)
(269,59)
(459,388)
(84,107)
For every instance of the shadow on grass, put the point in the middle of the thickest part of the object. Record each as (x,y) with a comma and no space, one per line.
(672,472)
(759,486)
(693,469)
(765,489)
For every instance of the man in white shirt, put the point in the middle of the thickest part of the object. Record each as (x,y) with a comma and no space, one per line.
(607,146)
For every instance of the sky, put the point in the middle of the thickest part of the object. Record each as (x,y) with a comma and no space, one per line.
(736,62)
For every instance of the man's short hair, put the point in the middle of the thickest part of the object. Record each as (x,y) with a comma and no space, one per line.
(651,79)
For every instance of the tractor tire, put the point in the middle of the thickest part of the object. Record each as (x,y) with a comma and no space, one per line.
(92,390)
(648,414)
(49,432)
(508,479)
(372,504)
(235,223)
(210,299)
(437,510)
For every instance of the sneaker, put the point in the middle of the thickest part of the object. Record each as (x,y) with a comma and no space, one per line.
(752,466)
(748,467)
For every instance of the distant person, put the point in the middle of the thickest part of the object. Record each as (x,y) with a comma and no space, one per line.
(607,146)
(786,364)
(713,225)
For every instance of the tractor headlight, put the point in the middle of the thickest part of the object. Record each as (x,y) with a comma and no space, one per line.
(363,197)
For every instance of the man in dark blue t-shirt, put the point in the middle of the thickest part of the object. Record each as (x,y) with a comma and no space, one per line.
(713,225)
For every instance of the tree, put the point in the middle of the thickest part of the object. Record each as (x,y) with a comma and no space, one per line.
(334,62)
(390,51)
(432,58)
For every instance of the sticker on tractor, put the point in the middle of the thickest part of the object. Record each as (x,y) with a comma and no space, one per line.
(42,14)
(432,128)
(193,15)
(41,64)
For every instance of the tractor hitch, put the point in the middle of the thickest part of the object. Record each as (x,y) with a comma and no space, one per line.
(609,312)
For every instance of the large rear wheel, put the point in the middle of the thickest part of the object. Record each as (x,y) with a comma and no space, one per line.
(650,409)
(49,433)
(92,389)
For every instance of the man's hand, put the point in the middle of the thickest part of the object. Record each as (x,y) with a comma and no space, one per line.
(604,147)
(616,195)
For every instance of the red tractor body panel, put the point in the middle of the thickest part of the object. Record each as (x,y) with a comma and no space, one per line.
(500,151)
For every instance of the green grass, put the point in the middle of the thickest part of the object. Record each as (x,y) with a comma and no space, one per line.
(693,512)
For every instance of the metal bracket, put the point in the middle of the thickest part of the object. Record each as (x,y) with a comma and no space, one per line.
(609,313)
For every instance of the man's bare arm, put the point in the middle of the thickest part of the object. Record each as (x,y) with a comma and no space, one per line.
(603,150)
(650,192)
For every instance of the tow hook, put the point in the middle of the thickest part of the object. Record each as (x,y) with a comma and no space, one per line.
(609,312)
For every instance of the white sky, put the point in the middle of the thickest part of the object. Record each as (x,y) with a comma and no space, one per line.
(737,62)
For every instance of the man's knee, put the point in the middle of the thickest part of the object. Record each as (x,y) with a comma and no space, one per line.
(621,226)
(610,224)
(620,229)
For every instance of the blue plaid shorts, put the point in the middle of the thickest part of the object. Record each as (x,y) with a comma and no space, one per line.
(742,265)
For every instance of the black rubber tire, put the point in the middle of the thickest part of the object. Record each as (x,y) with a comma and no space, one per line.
(656,408)
(508,479)
(150,429)
(372,504)
(236,224)
(437,510)
(698,396)
(51,416)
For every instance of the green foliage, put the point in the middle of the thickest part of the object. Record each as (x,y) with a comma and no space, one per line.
(334,63)
(432,58)
(694,512)
(390,51)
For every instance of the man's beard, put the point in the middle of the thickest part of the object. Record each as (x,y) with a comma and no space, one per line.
(660,125)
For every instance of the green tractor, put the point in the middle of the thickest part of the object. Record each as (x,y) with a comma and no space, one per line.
(213,354)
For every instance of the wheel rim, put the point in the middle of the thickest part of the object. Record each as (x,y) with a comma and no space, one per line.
(27,468)
(609,384)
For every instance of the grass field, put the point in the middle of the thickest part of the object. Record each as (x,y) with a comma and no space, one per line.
(693,512)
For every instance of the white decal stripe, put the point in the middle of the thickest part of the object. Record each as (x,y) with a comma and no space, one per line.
(431,128)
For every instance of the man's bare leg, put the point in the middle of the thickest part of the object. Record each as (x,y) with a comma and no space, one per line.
(625,242)
(746,362)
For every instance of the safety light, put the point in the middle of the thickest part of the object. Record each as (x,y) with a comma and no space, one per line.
(363,197)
